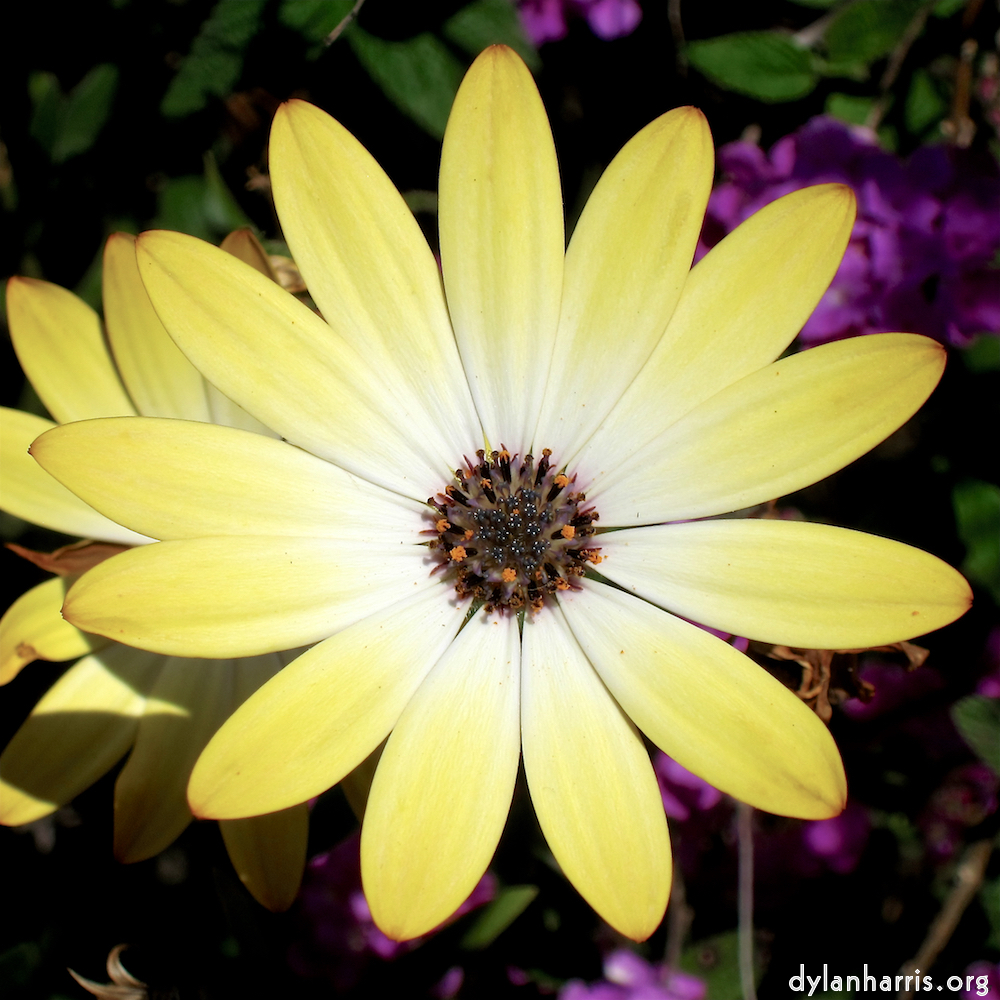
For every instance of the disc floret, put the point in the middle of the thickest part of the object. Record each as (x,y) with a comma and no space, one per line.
(512,530)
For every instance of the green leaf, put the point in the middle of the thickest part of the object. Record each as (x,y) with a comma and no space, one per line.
(200,206)
(868,29)
(509,903)
(85,111)
(924,105)
(46,100)
(216,59)
(88,287)
(909,840)
(420,75)
(761,64)
(490,22)
(848,108)
(68,125)
(977,718)
(945,8)
(989,896)
(180,206)
(888,138)
(983,354)
(717,961)
(313,19)
(222,210)
(977,513)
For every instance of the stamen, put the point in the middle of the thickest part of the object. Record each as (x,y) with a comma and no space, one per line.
(522,538)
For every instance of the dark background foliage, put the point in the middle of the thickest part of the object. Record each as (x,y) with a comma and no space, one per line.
(99,136)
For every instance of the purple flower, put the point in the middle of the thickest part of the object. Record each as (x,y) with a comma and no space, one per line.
(922,250)
(342,937)
(967,796)
(893,684)
(840,841)
(681,790)
(986,983)
(629,977)
(545,20)
(610,19)
(449,984)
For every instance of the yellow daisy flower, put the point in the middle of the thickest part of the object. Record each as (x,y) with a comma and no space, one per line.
(117,699)
(493,620)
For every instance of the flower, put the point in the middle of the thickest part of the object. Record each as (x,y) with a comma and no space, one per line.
(966,797)
(681,790)
(986,982)
(117,699)
(922,253)
(545,20)
(482,624)
(839,841)
(627,976)
(342,939)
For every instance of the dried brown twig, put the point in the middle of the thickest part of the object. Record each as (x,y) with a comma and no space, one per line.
(968,878)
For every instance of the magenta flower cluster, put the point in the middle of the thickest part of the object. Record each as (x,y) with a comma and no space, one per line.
(924,252)
(545,20)
(341,936)
(627,976)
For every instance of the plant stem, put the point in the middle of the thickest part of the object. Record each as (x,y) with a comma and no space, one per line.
(744,835)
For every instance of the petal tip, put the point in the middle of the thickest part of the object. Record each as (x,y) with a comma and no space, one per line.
(498,59)
(117,240)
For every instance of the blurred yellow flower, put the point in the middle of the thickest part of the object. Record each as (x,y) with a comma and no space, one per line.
(117,699)
(494,620)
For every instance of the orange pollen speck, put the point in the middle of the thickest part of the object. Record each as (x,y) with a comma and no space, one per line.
(561,480)
(467,536)
(441,525)
(458,553)
(568,531)
(508,575)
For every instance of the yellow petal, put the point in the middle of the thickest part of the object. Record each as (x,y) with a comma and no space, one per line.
(775,431)
(189,701)
(282,363)
(240,597)
(324,713)
(29,492)
(80,728)
(788,582)
(370,271)
(33,628)
(626,264)
(61,348)
(591,782)
(708,706)
(269,854)
(443,787)
(161,381)
(242,244)
(151,474)
(502,241)
(741,306)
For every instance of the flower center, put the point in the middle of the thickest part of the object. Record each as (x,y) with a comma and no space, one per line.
(512,532)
